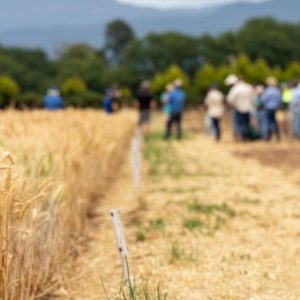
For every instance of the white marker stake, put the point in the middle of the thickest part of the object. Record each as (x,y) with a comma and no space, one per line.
(136,161)
(121,244)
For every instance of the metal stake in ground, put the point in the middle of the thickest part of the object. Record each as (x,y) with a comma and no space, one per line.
(136,161)
(121,245)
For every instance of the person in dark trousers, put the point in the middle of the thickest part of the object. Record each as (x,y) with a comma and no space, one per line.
(261,114)
(272,99)
(242,99)
(53,100)
(177,100)
(214,102)
(145,102)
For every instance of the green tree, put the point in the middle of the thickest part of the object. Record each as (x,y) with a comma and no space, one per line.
(174,72)
(30,68)
(9,90)
(219,50)
(204,78)
(73,86)
(261,71)
(278,73)
(292,72)
(85,62)
(276,42)
(156,52)
(243,67)
(118,35)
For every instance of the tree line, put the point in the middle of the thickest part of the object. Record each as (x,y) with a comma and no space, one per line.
(262,47)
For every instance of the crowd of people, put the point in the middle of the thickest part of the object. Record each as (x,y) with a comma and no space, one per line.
(253,109)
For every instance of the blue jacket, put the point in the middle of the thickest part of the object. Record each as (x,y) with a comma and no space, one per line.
(107,103)
(271,98)
(295,104)
(177,100)
(53,102)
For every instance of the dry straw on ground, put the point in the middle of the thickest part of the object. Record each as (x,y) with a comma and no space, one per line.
(210,225)
(59,164)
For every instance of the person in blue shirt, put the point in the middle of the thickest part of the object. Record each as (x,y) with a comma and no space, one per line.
(295,108)
(261,114)
(165,99)
(177,100)
(271,100)
(53,100)
(107,102)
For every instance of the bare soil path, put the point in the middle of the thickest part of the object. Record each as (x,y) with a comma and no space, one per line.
(210,225)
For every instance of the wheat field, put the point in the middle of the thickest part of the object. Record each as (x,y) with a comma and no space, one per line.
(53,168)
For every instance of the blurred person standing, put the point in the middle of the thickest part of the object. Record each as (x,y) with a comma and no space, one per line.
(107,102)
(271,99)
(230,81)
(295,109)
(176,101)
(53,100)
(165,97)
(287,95)
(286,99)
(214,102)
(116,95)
(111,101)
(261,114)
(145,102)
(242,99)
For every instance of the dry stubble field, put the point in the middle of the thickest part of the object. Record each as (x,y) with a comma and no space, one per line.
(212,222)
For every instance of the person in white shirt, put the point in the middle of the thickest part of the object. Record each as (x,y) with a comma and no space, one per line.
(214,102)
(242,98)
(230,81)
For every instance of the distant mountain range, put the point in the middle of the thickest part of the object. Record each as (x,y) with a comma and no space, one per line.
(52,24)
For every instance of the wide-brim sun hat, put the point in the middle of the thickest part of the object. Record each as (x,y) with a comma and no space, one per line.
(145,84)
(231,80)
(272,81)
(53,92)
(170,87)
(178,82)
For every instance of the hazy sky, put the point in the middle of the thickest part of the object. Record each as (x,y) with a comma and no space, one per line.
(180,3)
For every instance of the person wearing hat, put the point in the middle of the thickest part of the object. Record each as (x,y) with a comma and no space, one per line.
(272,99)
(53,100)
(230,81)
(214,102)
(242,99)
(176,104)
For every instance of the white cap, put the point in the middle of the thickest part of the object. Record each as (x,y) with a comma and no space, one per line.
(178,82)
(170,87)
(53,92)
(271,81)
(231,80)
